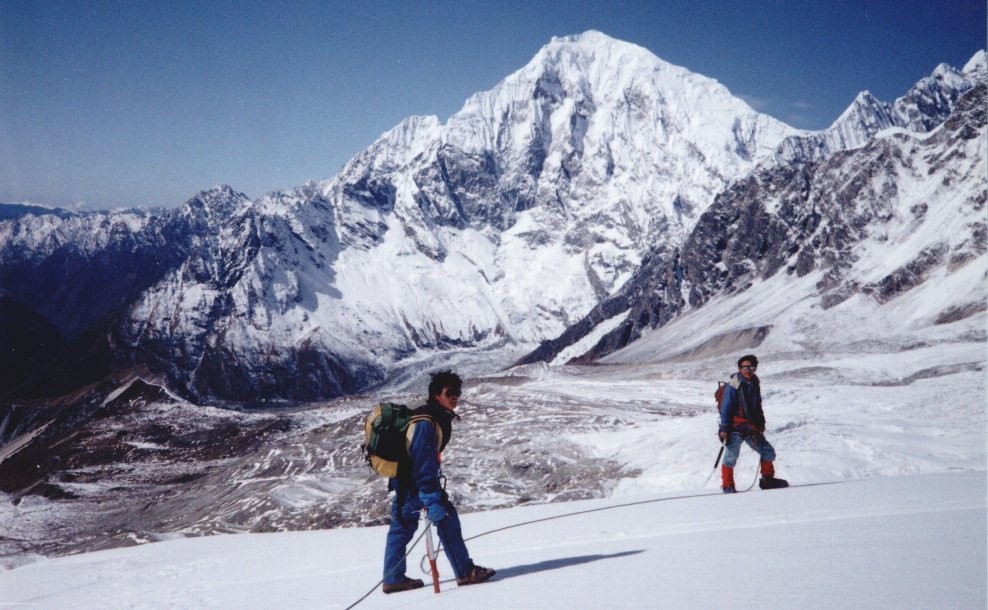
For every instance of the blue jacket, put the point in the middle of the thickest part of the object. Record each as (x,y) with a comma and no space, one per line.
(741,406)
(422,474)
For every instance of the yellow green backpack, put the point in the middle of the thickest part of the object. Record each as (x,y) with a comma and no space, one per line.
(385,436)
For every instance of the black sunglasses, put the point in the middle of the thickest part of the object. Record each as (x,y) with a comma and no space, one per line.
(451,393)
(748,367)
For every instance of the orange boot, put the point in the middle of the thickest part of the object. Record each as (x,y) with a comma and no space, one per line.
(768,469)
(727,479)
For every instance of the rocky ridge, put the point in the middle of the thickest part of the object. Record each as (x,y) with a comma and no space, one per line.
(876,220)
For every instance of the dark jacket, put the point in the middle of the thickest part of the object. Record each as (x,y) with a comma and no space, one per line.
(741,406)
(421,474)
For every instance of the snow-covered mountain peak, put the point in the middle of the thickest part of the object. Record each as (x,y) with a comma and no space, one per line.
(866,116)
(282,203)
(593,47)
(901,211)
(928,103)
(218,203)
(977,66)
(924,107)
(949,76)
(864,98)
(863,103)
(943,69)
(595,51)
(398,146)
(595,72)
(539,196)
(594,37)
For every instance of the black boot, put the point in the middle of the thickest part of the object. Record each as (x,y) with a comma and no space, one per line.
(772,483)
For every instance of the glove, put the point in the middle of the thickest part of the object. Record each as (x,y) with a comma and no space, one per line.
(435,504)
(437,512)
(723,436)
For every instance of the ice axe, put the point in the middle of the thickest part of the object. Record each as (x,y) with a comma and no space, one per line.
(432,553)
(717,461)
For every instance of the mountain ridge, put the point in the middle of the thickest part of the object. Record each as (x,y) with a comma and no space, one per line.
(500,229)
(843,219)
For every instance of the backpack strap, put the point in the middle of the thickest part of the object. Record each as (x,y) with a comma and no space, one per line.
(410,431)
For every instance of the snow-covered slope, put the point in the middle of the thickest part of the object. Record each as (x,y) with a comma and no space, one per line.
(903,542)
(846,399)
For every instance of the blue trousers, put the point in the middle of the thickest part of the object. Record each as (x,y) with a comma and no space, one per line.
(755,441)
(405,513)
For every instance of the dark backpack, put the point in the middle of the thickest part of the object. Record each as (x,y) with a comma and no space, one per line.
(385,431)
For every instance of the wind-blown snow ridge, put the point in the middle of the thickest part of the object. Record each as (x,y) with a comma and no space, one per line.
(976,67)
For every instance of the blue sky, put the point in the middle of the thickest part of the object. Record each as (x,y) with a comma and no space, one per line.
(139,103)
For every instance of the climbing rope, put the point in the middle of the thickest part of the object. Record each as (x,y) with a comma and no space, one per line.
(599,509)
(380,582)
(553,518)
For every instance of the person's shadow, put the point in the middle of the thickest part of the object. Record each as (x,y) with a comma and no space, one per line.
(554,564)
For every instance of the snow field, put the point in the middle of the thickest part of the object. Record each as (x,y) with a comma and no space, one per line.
(904,542)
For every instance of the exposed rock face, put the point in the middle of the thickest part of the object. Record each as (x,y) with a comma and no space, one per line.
(123,462)
(848,219)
